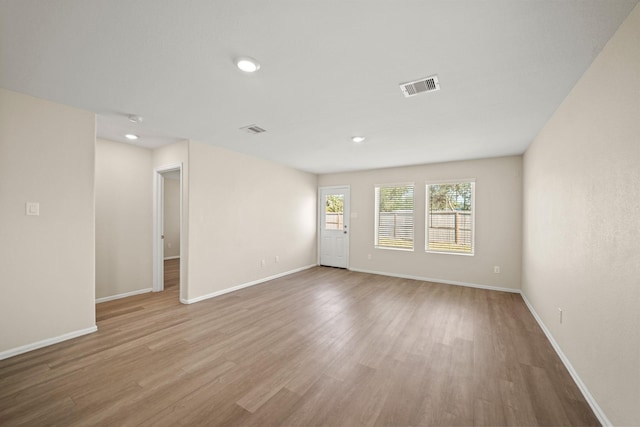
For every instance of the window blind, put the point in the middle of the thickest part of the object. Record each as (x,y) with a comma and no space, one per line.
(394,216)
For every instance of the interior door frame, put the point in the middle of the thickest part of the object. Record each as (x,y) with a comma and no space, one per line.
(158,226)
(347,219)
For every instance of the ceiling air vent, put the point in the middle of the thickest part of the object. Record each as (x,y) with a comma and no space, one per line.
(428,84)
(253,129)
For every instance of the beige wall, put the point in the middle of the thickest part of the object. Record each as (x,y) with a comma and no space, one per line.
(123,218)
(171,218)
(170,155)
(47,261)
(243,210)
(497,222)
(582,226)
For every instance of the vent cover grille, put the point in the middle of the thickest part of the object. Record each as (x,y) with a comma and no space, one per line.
(253,129)
(416,87)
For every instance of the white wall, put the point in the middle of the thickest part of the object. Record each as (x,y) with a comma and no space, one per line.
(243,210)
(47,261)
(582,226)
(497,222)
(123,218)
(171,155)
(171,218)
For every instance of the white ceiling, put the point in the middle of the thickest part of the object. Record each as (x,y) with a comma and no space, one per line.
(330,70)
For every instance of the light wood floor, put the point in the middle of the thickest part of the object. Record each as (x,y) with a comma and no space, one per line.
(171,273)
(324,347)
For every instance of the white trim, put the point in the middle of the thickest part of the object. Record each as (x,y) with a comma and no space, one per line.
(448,181)
(432,251)
(597,410)
(44,343)
(245,285)
(124,295)
(446,282)
(158,245)
(171,257)
(397,184)
(335,187)
(392,248)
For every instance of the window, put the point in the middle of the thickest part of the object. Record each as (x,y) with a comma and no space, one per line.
(450,220)
(334,211)
(394,217)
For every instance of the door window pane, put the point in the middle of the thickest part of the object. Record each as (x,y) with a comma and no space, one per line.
(334,211)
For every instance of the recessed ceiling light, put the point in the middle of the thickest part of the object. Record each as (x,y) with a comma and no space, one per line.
(248,65)
(357,139)
(131,136)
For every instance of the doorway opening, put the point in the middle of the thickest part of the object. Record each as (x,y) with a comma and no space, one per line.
(167,230)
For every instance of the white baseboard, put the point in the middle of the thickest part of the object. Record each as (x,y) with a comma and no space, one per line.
(446,282)
(244,285)
(172,257)
(597,410)
(44,343)
(124,295)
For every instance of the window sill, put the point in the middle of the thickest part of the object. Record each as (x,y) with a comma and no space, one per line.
(449,253)
(395,249)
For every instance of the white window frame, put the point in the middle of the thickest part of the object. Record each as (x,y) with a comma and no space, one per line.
(376,208)
(473,216)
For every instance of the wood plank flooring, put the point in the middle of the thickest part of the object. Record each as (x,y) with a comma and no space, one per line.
(323,347)
(171,273)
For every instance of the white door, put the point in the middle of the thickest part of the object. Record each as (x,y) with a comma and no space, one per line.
(334,226)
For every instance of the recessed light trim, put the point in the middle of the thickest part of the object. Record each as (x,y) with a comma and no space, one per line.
(358,139)
(247,64)
(131,137)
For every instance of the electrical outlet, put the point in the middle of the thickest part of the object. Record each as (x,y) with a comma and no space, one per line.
(263,263)
(369,256)
(496,269)
(277,258)
(560,314)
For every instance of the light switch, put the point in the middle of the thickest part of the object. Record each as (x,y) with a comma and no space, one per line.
(33,208)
